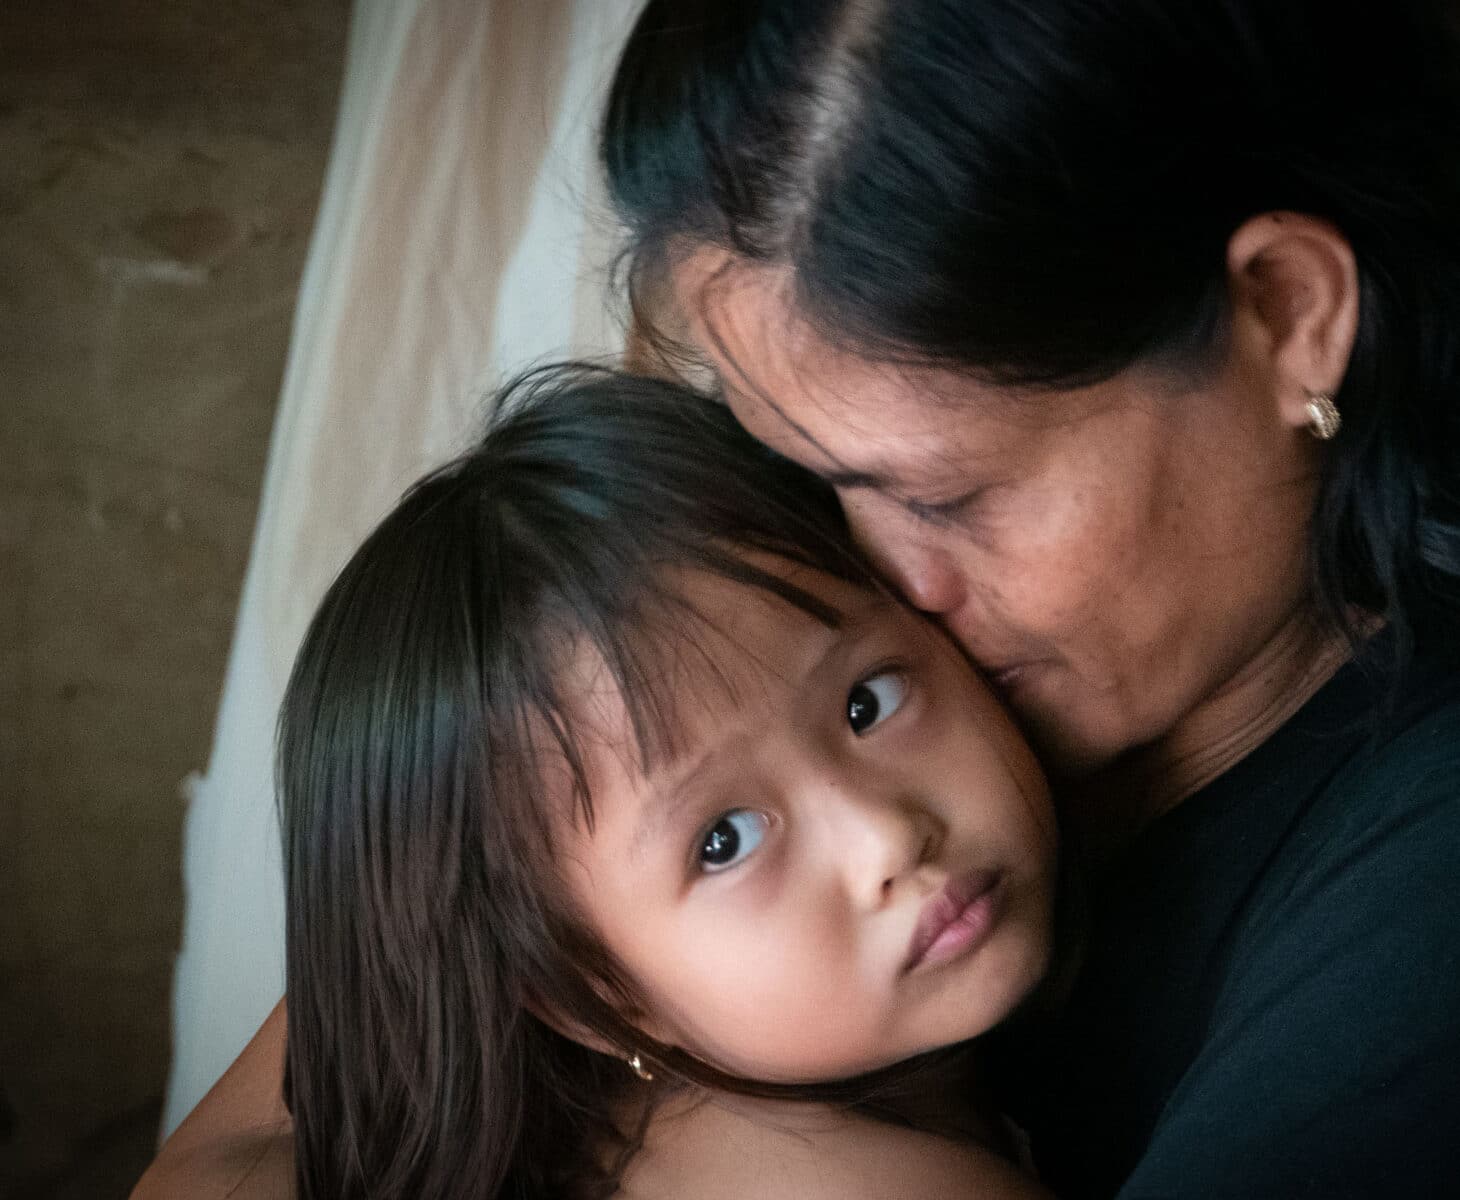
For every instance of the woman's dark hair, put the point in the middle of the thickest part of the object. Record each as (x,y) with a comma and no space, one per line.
(1041,192)
(426,924)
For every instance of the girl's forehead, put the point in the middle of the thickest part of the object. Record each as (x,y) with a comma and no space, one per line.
(731,669)
(710,649)
(704,638)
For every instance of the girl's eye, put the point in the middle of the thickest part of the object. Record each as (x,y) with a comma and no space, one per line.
(875,699)
(731,838)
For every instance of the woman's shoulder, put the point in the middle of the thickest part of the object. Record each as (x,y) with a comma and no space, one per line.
(716,1149)
(1362,870)
(1409,764)
(1377,743)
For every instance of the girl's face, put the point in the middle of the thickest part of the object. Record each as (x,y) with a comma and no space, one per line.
(849,860)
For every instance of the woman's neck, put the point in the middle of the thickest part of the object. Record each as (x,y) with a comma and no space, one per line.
(1110,808)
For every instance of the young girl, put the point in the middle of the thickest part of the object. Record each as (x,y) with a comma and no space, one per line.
(637,840)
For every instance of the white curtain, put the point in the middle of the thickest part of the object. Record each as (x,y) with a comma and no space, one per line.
(460,237)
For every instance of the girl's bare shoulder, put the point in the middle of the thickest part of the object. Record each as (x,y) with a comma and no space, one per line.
(719,1150)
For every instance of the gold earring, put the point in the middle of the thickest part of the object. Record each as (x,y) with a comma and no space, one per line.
(1323,416)
(636,1065)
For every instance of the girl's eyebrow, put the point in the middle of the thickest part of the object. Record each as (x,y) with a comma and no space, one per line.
(663,798)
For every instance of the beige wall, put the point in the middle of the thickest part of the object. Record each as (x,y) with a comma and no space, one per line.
(159,166)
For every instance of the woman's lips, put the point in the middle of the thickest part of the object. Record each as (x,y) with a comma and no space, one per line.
(1008,678)
(955,920)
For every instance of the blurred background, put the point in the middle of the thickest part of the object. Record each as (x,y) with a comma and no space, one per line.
(167,520)
(160,165)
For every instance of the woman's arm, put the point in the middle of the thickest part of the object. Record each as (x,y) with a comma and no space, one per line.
(239,1141)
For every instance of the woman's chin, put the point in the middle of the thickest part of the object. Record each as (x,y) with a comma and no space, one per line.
(1071,744)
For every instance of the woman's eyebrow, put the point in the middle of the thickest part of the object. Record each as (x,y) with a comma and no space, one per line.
(849,481)
(839,475)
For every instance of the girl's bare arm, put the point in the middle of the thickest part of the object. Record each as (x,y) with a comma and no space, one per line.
(238,1142)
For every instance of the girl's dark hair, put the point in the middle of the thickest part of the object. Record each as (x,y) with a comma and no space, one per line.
(425,926)
(1041,192)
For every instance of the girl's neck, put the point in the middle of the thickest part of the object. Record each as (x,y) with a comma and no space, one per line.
(1110,808)
(944,1096)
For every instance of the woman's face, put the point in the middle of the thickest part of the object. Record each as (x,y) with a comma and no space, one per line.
(849,860)
(1111,556)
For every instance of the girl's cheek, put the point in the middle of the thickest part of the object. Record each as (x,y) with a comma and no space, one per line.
(750,888)
(764,883)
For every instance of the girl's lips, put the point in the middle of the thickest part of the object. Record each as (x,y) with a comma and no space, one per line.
(954,920)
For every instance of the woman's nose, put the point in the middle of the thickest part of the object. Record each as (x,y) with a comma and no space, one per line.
(909,553)
(928,578)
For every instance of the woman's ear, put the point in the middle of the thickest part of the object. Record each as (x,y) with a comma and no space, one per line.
(1295,280)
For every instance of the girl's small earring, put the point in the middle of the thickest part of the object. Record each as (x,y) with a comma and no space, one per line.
(1324,419)
(636,1065)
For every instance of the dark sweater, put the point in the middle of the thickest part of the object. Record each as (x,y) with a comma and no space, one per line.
(1270,1006)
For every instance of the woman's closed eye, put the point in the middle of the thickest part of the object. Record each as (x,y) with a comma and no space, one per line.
(731,839)
(872,700)
(943,512)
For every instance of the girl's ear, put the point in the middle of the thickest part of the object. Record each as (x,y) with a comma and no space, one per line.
(1295,293)
(576,1031)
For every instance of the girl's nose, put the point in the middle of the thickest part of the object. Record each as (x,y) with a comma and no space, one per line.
(880,841)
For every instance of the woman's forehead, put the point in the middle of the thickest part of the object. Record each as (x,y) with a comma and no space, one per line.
(824,404)
(744,317)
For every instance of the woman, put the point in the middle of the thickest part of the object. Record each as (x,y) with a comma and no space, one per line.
(1128,333)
